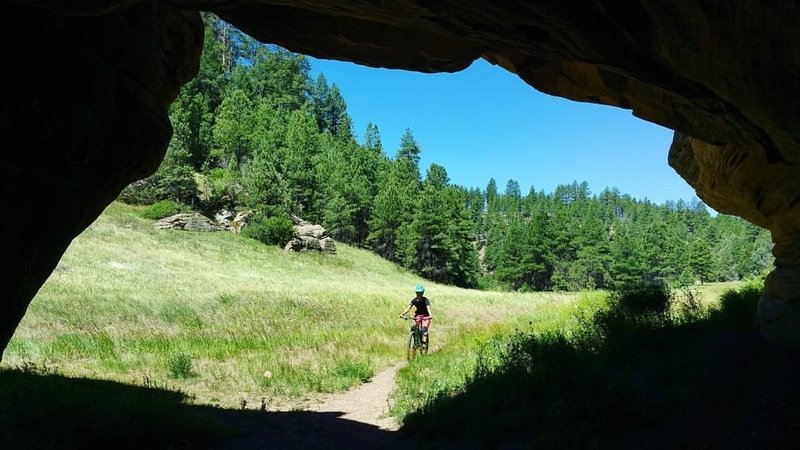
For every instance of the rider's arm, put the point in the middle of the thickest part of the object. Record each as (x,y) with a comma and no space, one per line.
(430,311)
(407,310)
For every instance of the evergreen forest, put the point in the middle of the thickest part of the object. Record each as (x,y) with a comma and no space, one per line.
(253,131)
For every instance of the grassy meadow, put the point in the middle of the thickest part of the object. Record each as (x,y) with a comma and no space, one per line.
(229,320)
(139,331)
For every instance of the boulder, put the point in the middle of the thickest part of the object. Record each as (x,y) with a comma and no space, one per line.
(315,231)
(308,236)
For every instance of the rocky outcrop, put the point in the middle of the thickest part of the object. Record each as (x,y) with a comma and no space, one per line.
(188,222)
(232,222)
(92,82)
(194,221)
(308,236)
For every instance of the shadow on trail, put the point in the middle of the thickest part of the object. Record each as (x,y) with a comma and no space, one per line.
(47,411)
(303,430)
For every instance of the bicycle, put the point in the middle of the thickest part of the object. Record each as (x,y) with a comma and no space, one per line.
(417,345)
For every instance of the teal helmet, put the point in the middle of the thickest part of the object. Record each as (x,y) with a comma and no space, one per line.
(420,288)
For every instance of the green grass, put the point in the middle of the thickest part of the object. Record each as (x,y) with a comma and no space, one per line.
(224,318)
(447,372)
(689,376)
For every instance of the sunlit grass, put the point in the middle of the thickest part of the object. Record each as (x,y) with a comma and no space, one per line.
(446,372)
(225,318)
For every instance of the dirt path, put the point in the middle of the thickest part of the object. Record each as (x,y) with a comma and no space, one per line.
(368,403)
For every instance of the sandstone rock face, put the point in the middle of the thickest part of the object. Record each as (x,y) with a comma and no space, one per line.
(93,80)
(86,108)
(766,193)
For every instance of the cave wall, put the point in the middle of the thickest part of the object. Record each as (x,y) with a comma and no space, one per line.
(95,80)
(84,113)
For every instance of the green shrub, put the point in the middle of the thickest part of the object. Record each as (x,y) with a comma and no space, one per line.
(180,365)
(159,210)
(642,298)
(275,230)
(141,192)
(737,308)
(490,282)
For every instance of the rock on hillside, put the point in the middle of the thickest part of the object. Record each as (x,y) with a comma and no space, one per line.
(187,221)
(308,236)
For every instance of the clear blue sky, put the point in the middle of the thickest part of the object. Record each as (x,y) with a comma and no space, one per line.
(485,122)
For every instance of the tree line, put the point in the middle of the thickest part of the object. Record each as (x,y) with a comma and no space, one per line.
(254,131)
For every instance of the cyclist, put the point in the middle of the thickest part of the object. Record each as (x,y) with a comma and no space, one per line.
(423,314)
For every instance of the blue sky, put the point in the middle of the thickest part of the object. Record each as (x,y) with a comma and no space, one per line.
(485,122)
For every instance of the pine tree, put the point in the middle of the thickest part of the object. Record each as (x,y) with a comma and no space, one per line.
(346,178)
(200,97)
(372,138)
(175,176)
(274,73)
(331,109)
(299,159)
(700,260)
(491,195)
(628,265)
(393,209)
(409,150)
(233,130)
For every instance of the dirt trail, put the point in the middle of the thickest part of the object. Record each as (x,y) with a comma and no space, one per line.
(368,403)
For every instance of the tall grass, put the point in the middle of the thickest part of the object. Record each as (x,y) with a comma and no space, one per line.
(227,319)
(632,372)
(449,371)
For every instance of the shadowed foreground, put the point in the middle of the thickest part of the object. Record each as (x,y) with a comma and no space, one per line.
(46,411)
(739,393)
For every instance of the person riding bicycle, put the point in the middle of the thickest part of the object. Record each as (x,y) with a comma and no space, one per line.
(422,314)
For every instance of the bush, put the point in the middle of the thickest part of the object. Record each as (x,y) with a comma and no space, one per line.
(620,332)
(164,208)
(490,282)
(141,192)
(645,298)
(275,230)
(180,365)
(737,308)
(688,307)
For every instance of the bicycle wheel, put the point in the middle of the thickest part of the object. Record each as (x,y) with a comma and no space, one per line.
(410,350)
(423,345)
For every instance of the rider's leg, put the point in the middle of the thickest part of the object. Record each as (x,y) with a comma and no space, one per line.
(426,323)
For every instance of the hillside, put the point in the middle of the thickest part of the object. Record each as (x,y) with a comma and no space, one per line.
(227,319)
